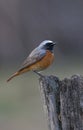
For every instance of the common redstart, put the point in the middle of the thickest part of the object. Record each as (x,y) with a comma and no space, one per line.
(40,58)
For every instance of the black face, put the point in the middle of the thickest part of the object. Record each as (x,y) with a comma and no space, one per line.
(49,46)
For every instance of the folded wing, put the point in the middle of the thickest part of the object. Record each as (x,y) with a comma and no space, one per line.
(35,56)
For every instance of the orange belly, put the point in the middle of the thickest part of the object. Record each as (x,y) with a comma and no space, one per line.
(44,62)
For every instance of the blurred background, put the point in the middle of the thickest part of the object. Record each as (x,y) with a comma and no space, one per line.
(23,25)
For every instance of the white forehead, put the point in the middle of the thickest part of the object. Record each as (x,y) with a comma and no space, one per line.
(45,42)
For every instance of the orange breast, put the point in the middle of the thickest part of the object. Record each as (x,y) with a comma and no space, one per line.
(44,62)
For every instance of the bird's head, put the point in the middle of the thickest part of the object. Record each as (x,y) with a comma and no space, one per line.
(47,45)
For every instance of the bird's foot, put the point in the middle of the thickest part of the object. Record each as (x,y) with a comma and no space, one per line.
(38,73)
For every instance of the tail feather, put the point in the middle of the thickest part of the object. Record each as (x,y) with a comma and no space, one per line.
(14,75)
(23,70)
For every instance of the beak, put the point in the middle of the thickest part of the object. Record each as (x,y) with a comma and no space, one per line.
(55,43)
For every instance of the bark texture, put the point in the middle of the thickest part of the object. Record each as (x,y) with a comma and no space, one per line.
(63,102)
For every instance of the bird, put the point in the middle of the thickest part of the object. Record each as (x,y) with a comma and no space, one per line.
(39,59)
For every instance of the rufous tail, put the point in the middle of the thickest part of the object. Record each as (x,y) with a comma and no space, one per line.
(14,75)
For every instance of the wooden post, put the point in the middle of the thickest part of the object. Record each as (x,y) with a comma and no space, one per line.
(63,99)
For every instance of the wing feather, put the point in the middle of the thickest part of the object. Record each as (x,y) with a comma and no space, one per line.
(35,56)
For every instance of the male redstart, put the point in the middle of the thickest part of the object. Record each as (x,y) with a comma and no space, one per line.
(40,58)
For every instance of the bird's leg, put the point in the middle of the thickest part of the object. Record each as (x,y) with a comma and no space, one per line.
(38,73)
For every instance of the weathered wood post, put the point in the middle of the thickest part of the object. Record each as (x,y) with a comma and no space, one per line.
(63,102)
